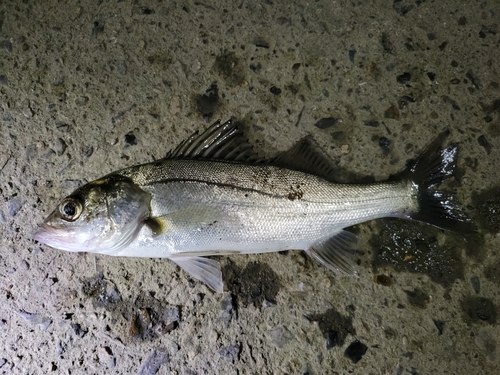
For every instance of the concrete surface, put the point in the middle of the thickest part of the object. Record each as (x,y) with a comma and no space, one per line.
(88,87)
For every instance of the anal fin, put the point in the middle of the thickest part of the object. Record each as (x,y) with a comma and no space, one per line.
(336,253)
(203,269)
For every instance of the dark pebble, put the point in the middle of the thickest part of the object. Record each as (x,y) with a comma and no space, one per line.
(475,81)
(404,78)
(332,339)
(326,122)
(3,80)
(207,102)
(372,123)
(146,11)
(392,112)
(77,330)
(130,139)
(384,143)
(455,81)
(98,28)
(439,325)
(355,351)
(484,143)
(88,151)
(383,280)
(352,53)
(431,75)
(476,284)
(274,90)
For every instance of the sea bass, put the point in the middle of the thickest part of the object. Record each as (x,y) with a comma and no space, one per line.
(213,195)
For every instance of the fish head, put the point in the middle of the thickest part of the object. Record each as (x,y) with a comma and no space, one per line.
(102,216)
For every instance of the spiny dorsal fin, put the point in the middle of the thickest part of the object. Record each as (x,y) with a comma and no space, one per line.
(305,157)
(223,141)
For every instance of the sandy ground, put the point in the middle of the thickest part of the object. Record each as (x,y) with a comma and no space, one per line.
(89,87)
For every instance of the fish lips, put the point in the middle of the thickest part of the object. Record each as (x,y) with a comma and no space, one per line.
(57,238)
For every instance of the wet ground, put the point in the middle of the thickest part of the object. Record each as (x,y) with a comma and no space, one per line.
(95,86)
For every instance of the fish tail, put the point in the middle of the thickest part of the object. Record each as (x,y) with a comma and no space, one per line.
(437,207)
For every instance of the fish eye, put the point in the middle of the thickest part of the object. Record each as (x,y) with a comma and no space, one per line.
(70,209)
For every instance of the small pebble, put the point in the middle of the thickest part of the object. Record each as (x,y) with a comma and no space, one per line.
(48,154)
(356,351)
(24,265)
(274,90)
(130,139)
(59,146)
(327,122)
(404,78)
(15,205)
(153,363)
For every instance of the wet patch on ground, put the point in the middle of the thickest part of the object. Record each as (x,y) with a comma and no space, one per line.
(230,68)
(334,326)
(255,284)
(478,309)
(409,247)
(487,204)
(102,292)
(146,317)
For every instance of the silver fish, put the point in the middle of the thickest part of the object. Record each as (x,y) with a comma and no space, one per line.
(213,195)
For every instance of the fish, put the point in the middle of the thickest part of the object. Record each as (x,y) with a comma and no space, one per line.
(214,195)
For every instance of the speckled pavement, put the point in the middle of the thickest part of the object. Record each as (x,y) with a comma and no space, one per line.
(89,87)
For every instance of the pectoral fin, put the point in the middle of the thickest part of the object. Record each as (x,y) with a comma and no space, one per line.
(203,269)
(336,253)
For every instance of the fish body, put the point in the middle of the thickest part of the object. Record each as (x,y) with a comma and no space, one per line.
(213,196)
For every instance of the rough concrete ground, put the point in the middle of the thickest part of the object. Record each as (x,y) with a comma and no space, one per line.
(89,87)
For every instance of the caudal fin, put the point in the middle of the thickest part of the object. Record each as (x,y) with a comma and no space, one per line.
(436,207)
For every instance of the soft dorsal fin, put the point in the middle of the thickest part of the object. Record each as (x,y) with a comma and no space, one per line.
(223,141)
(305,157)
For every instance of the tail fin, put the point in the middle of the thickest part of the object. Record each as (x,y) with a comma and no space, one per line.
(437,207)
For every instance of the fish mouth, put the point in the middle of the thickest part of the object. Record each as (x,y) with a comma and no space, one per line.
(57,238)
